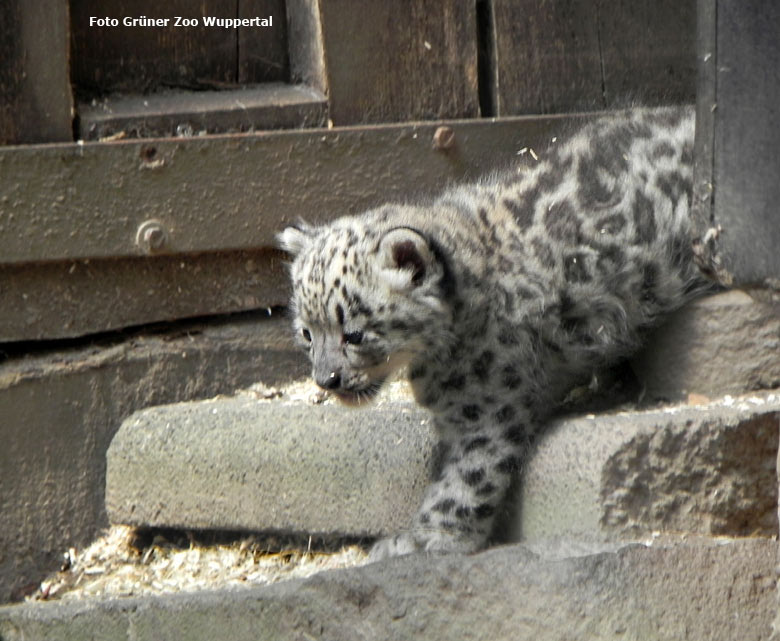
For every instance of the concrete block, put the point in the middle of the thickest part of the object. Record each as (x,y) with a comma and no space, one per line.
(721,591)
(723,344)
(60,407)
(709,469)
(244,464)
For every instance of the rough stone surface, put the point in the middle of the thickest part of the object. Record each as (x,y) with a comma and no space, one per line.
(723,344)
(60,408)
(721,591)
(240,464)
(709,469)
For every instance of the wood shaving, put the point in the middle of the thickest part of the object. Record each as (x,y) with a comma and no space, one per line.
(116,565)
(113,566)
(306,391)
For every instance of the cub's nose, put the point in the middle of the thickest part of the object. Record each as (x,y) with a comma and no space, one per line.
(330,381)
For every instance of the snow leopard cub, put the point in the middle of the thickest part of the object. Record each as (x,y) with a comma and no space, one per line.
(500,296)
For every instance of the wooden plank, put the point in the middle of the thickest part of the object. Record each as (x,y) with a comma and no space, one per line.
(648,51)
(263,51)
(740,144)
(706,105)
(35,95)
(307,59)
(11,71)
(557,57)
(547,56)
(223,192)
(76,298)
(140,59)
(193,113)
(62,204)
(395,61)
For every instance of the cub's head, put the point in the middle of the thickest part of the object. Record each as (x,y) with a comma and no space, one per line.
(366,301)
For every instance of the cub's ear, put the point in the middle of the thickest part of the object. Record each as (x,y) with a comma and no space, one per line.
(295,239)
(406,258)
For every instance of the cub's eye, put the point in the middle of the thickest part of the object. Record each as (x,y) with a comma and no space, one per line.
(353,338)
(306,335)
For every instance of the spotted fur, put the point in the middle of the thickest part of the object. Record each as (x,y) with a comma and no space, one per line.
(500,296)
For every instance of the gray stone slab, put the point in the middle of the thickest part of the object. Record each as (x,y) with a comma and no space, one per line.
(708,469)
(723,344)
(243,464)
(719,591)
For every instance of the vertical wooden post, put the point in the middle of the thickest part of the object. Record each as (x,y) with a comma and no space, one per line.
(737,162)
(36,103)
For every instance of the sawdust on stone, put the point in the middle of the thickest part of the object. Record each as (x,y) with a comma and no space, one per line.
(121,563)
(127,561)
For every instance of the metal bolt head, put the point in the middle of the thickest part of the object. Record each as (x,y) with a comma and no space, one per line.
(151,236)
(444,138)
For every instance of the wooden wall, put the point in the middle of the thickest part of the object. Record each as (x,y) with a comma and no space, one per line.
(143,59)
(573,55)
(376,61)
(69,214)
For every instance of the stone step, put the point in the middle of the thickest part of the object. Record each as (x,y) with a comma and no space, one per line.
(723,344)
(282,465)
(292,466)
(716,590)
(708,469)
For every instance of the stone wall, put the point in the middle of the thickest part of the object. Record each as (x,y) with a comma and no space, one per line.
(651,522)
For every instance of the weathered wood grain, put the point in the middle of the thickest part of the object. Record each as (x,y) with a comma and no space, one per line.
(395,61)
(263,51)
(35,95)
(572,55)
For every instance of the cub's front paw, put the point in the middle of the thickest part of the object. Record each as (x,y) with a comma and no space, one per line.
(431,541)
(397,545)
